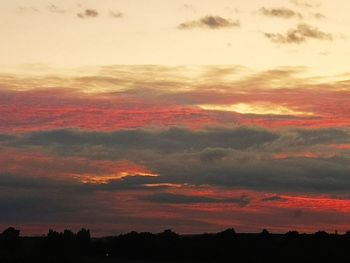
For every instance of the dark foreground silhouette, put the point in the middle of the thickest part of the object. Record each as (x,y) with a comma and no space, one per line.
(226,246)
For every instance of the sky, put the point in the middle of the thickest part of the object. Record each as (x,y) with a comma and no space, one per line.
(122,115)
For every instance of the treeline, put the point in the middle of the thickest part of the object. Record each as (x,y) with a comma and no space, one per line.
(168,246)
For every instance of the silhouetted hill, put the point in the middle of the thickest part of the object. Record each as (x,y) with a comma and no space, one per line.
(168,246)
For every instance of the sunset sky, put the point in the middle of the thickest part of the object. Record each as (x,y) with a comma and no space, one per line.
(194,115)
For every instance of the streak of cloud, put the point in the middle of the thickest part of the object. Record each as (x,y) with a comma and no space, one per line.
(306,3)
(55,9)
(116,14)
(280,12)
(211,22)
(170,198)
(88,13)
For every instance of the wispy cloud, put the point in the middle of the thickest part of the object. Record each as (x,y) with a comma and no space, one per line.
(55,9)
(306,3)
(116,14)
(171,198)
(27,9)
(88,13)
(300,34)
(280,12)
(188,7)
(318,16)
(211,22)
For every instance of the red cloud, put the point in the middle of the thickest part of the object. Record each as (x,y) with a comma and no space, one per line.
(42,110)
(23,111)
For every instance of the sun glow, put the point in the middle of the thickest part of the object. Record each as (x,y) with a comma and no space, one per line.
(120,171)
(259,108)
(105,179)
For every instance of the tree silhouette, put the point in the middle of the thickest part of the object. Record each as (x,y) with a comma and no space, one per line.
(265,232)
(292,235)
(168,234)
(10,238)
(83,238)
(169,246)
(227,234)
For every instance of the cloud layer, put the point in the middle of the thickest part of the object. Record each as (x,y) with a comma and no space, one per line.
(142,149)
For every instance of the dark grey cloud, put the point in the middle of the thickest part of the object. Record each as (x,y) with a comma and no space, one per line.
(50,183)
(224,157)
(88,13)
(170,198)
(170,140)
(211,22)
(107,210)
(6,137)
(28,182)
(24,202)
(181,140)
(32,206)
(298,35)
(327,135)
(280,12)
(252,171)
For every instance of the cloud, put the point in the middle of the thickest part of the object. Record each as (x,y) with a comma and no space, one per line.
(306,3)
(128,97)
(55,9)
(188,7)
(318,16)
(280,12)
(257,171)
(166,141)
(58,132)
(301,34)
(211,22)
(116,14)
(88,13)
(170,198)
(226,157)
(29,182)
(220,185)
(317,136)
(28,9)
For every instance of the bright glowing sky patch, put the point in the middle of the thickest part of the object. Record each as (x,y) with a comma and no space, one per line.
(257,108)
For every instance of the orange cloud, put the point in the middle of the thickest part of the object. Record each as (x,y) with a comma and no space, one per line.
(281,156)
(121,170)
(341,146)
(34,164)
